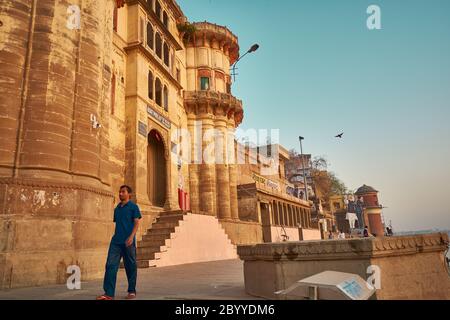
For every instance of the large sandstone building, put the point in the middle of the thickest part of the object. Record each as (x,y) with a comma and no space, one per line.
(96,94)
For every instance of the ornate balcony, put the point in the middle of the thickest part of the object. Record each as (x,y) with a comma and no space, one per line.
(214,101)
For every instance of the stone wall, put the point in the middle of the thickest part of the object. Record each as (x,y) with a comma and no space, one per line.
(411,267)
(56,200)
(46,227)
(241,232)
(311,234)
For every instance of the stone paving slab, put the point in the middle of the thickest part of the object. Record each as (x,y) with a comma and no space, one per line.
(218,280)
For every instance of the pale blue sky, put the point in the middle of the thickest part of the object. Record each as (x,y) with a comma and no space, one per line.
(320,71)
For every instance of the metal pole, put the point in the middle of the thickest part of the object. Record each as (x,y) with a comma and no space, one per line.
(234,65)
(303,168)
(252,49)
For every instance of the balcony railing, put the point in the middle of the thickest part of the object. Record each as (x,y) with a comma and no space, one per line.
(204,95)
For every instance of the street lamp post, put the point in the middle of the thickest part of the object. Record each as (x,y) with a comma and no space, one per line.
(252,49)
(303,168)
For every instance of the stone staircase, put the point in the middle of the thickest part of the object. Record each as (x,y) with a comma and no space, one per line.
(179,237)
(157,238)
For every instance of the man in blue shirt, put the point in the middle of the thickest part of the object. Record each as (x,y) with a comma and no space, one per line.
(123,245)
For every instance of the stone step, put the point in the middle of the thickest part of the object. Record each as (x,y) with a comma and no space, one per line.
(164,225)
(152,243)
(155,237)
(145,264)
(171,218)
(171,213)
(141,264)
(161,231)
(143,251)
(149,256)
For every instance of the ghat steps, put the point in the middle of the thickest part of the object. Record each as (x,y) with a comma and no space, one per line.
(179,237)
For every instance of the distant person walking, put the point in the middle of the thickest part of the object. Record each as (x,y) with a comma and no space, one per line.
(123,245)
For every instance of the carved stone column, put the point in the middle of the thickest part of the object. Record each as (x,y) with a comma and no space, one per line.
(222,171)
(194,145)
(207,167)
(232,168)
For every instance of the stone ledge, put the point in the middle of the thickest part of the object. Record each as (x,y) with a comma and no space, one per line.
(53,184)
(236,221)
(344,249)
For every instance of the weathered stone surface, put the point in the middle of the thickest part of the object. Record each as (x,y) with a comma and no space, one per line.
(412,267)
(241,232)
(44,223)
(55,197)
(60,171)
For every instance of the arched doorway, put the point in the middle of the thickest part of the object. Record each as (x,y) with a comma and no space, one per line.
(156,169)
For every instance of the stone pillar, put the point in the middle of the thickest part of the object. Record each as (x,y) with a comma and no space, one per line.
(280,214)
(207,168)
(291,216)
(271,213)
(194,146)
(275,212)
(281,211)
(308,218)
(171,201)
(232,167)
(222,170)
(295,216)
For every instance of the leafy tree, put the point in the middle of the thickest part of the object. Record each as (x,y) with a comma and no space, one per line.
(327,184)
(320,163)
(337,186)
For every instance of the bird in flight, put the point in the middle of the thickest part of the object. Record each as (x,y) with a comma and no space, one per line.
(340,135)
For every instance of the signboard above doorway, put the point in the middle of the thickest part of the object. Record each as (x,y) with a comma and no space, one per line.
(158,117)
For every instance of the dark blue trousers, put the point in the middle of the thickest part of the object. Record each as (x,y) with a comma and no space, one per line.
(115,253)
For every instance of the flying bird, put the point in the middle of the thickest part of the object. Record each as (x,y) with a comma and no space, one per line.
(340,135)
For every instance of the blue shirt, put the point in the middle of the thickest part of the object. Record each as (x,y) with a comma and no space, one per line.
(124,219)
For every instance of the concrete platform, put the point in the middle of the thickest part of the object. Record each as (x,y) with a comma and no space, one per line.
(218,280)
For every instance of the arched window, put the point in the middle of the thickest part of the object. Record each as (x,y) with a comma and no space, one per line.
(165,20)
(166,54)
(158,9)
(158,92)
(158,45)
(166,98)
(150,35)
(150,85)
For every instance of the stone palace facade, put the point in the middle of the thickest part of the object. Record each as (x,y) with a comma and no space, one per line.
(97,94)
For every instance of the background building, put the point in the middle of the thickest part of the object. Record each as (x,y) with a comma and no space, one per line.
(372,210)
(269,198)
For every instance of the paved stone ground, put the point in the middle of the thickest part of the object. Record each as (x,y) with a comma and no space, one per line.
(206,281)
